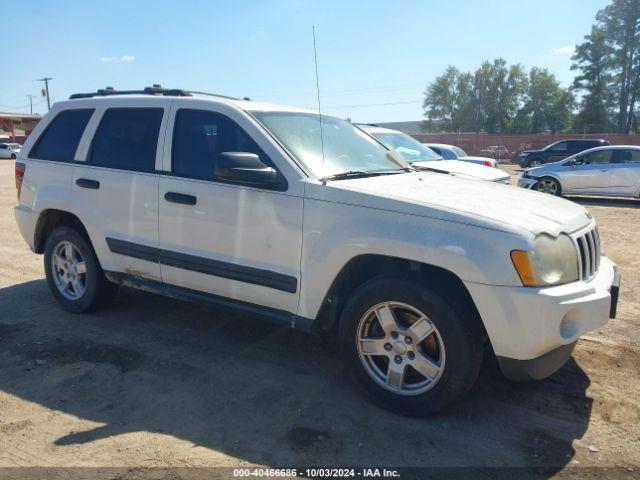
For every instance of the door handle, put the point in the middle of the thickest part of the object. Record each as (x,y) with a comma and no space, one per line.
(181,198)
(87,183)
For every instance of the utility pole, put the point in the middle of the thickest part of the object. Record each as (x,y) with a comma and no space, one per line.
(30,103)
(46,89)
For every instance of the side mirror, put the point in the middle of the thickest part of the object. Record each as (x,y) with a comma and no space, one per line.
(571,163)
(245,167)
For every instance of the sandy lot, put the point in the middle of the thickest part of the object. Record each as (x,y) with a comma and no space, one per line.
(156,382)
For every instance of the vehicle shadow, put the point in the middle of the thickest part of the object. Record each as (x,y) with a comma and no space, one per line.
(258,392)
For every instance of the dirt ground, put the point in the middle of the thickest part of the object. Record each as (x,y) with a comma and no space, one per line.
(157,382)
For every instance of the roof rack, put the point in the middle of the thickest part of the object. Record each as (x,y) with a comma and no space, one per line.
(217,95)
(154,90)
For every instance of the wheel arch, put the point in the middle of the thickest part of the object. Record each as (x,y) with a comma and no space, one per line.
(50,219)
(365,267)
(553,176)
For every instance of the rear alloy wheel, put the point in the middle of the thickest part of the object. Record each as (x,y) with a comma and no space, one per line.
(69,270)
(407,348)
(74,273)
(548,185)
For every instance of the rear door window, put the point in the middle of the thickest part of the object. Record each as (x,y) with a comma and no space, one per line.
(629,156)
(60,139)
(579,146)
(127,139)
(560,147)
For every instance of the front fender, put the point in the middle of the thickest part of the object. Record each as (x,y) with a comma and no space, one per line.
(335,234)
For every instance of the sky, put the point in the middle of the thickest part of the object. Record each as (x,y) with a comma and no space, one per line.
(375,58)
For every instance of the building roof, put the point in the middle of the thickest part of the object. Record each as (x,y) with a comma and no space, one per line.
(20,117)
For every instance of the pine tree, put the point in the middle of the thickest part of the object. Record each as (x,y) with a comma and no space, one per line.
(592,60)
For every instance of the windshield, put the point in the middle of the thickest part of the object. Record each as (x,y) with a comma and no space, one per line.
(346,148)
(411,149)
(459,151)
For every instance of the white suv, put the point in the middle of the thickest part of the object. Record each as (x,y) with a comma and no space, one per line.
(310,222)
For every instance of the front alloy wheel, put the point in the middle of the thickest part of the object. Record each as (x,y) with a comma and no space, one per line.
(411,349)
(548,185)
(400,348)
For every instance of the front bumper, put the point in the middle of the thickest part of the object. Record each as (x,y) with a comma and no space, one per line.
(527,182)
(536,368)
(530,324)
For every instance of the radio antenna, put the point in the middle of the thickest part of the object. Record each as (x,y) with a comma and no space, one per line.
(315,57)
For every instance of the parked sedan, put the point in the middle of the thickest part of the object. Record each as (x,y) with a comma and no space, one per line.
(451,152)
(422,157)
(557,151)
(9,150)
(612,171)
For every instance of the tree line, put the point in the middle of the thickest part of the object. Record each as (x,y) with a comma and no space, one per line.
(502,98)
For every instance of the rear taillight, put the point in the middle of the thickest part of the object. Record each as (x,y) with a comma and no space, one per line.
(20,168)
(487,163)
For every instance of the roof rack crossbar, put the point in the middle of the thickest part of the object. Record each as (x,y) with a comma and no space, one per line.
(155,90)
(228,97)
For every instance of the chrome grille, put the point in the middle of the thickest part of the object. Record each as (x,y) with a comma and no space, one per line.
(589,250)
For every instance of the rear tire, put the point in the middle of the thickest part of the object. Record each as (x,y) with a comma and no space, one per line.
(380,349)
(74,273)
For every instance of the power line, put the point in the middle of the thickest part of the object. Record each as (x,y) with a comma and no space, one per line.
(22,106)
(374,104)
(351,91)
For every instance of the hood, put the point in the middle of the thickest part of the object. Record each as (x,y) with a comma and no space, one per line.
(547,167)
(465,168)
(470,201)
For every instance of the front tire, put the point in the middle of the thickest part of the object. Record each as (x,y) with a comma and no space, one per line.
(74,274)
(407,348)
(13,156)
(549,185)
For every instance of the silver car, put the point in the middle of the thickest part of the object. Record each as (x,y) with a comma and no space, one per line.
(451,152)
(422,157)
(9,150)
(612,171)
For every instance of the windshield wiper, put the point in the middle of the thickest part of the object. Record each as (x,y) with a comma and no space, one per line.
(424,168)
(359,174)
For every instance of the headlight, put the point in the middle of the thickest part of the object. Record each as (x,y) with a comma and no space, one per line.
(553,261)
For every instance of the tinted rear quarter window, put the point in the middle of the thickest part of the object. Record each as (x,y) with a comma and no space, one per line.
(60,139)
(127,139)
